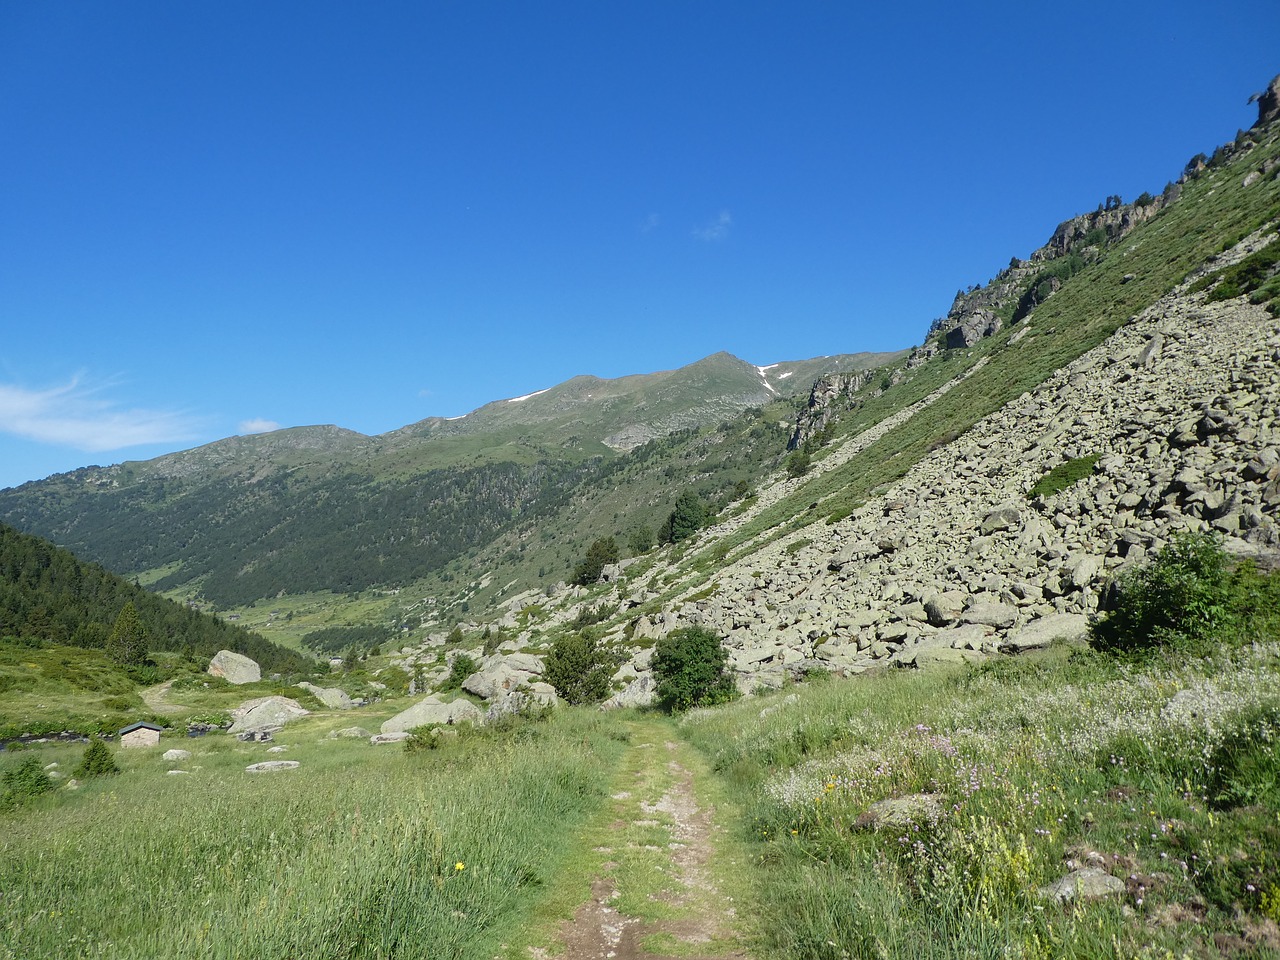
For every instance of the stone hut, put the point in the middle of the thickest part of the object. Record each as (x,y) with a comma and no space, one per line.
(140,734)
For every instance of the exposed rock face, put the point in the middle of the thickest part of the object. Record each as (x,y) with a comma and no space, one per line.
(822,399)
(1087,883)
(234,667)
(431,710)
(971,328)
(498,676)
(264,712)
(1042,632)
(1115,222)
(640,692)
(1269,104)
(331,697)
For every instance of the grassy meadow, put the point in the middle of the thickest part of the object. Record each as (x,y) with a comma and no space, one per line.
(1164,774)
(361,852)
(901,814)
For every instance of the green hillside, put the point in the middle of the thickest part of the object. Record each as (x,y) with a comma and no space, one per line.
(323,509)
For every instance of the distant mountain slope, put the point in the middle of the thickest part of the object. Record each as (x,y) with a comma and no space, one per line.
(625,412)
(322,508)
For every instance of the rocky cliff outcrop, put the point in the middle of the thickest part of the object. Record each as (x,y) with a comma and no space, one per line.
(1269,104)
(826,397)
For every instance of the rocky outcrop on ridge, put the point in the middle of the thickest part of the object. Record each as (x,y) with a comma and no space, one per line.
(821,407)
(1268,104)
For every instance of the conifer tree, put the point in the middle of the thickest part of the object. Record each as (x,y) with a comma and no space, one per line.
(127,644)
(97,761)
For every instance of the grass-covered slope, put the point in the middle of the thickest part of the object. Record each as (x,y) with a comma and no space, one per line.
(1163,776)
(1213,211)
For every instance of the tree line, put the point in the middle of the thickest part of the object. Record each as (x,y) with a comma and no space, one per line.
(48,594)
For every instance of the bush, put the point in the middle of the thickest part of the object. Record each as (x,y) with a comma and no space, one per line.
(97,761)
(798,463)
(688,517)
(24,782)
(640,539)
(1181,600)
(579,668)
(689,666)
(463,666)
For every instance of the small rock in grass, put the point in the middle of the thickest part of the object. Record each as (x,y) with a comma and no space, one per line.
(1087,883)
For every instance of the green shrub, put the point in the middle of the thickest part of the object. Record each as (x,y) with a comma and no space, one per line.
(463,666)
(24,782)
(689,516)
(690,668)
(97,761)
(799,463)
(588,615)
(579,668)
(1181,600)
(795,546)
(1244,768)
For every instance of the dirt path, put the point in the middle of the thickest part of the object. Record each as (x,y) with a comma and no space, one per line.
(156,699)
(661,891)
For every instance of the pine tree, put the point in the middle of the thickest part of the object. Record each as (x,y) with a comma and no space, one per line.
(127,644)
(97,761)
(601,553)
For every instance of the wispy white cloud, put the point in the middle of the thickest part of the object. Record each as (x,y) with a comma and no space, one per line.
(257,425)
(76,415)
(650,223)
(716,230)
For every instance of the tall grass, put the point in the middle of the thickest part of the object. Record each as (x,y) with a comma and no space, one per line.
(361,852)
(1033,767)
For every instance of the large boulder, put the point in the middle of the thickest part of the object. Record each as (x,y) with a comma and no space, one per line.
(1087,883)
(263,712)
(352,733)
(272,766)
(990,613)
(433,711)
(528,662)
(234,667)
(640,692)
(1042,632)
(496,678)
(516,702)
(331,697)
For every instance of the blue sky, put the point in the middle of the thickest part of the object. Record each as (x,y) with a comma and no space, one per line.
(219,218)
